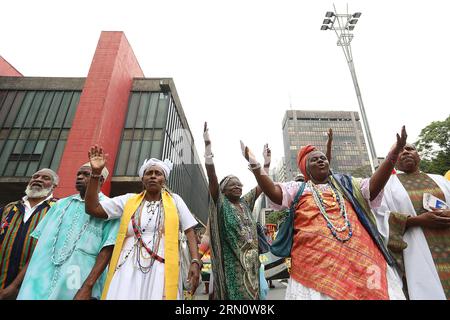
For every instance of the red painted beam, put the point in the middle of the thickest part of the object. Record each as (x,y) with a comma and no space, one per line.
(7,70)
(102,109)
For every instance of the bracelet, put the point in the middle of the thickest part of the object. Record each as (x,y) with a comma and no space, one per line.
(209,156)
(392,159)
(96,176)
(198,262)
(253,166)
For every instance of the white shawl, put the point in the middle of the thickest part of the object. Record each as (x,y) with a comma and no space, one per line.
(421,274)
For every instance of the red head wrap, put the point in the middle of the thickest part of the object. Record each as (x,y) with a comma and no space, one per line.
(301,158)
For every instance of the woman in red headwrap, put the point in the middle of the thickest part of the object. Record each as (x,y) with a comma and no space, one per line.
(337,251)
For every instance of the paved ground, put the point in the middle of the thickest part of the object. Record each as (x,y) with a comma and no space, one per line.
(279,291)
(276,293)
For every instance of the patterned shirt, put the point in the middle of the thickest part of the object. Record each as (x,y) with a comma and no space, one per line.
(16,244)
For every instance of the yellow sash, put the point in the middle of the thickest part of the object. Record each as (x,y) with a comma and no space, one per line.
(171,256)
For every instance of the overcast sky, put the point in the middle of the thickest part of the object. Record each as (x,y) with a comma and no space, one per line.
(241,64)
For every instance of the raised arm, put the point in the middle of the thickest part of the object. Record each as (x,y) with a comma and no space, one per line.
(264,182)
(384,171)
(209,165)
(97,159)
(267,154)
(329,144)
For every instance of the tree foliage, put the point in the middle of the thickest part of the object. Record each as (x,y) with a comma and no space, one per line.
(433,145)
(362,172)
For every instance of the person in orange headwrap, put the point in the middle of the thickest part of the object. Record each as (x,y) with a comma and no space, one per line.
(302,157)
(304,151)
(337,249)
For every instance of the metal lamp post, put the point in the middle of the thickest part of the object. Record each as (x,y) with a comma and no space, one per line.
(342,25)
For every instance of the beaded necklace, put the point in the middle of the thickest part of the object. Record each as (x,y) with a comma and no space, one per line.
(139,243)
(60,259)
(318,199)
(138,234)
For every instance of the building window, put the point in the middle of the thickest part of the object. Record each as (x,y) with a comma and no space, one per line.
(34,126)
(143,133)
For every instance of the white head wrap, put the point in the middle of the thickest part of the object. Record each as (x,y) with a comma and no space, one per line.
(225,181)
(104,173)
(165,165)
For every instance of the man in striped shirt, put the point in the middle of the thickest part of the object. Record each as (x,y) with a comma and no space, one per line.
(18,220)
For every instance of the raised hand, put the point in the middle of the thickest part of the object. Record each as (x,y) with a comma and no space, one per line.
(330,135)
(97,158)
(329,143)
(206,134)
(248,155)
(267,154)
(208,152)
(401,141)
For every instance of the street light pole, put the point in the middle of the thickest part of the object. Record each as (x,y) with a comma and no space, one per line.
(343,24)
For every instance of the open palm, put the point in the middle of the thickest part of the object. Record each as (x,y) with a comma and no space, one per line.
(97,158)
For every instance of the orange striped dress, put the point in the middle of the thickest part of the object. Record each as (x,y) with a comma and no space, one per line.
(354,270)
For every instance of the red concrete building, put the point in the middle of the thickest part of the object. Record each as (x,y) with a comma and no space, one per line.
(52,122)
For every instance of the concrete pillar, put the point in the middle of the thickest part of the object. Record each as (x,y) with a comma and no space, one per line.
(102,109)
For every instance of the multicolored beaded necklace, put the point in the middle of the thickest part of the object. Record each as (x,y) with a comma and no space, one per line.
(138,232)
(318,199)
(139,244)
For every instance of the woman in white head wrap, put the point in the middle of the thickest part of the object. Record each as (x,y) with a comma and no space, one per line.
(233,233)
(145,262)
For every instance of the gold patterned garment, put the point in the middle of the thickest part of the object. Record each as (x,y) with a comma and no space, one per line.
(354,270)
(238,239)
(438,240)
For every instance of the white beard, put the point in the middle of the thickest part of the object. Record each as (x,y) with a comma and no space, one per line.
(33,193)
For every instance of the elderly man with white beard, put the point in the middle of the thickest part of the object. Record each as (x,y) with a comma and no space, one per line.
(18,220)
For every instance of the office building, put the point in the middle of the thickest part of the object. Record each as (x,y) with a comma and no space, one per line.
(349,150)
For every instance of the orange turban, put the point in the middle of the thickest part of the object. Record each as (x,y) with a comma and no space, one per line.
(301,158)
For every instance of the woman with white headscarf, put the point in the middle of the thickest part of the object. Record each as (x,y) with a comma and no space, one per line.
(233,232)
(145,262)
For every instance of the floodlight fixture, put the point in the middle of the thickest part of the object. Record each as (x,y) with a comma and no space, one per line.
(343,24)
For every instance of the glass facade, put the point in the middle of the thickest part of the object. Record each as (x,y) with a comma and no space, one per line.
(349,152)
(155,127)
(34,126)
(35,120)
(187,177)
(143,132)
